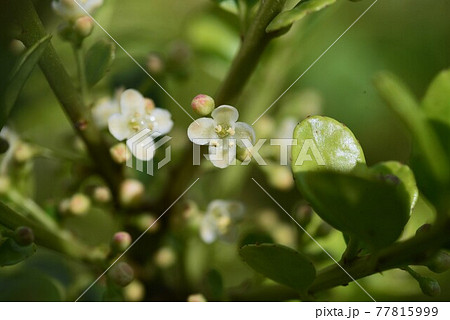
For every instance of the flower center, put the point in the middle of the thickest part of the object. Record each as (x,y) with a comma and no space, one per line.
(224,130)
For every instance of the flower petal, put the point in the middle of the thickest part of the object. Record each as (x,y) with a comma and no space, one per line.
(202,128)
(225,115)
(223,153)
(143,149)
(132,103)
(161,120)
(104,109)
(244,131)
(208,229)
(118,127)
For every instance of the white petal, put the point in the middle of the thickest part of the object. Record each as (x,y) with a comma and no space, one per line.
(225,115)
(104,109)
(236,209)
(118,127)
(202,128)
(132,103)
(161,120)
(143,149)
(244,131)
(208,229)
(222,155)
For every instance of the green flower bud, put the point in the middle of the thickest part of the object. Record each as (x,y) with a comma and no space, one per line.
(122,274)
(155,64)
(203,104)
(24,236)
(120,241)
(440,262)
(16,47)
(102,194)
(429,286)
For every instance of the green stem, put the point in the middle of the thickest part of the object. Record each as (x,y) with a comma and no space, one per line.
(254,42)
(81,71)
(33,210)
(24,16)
(352,250)
(57,240)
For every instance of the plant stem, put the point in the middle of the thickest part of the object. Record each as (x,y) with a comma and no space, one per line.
(57,240)
(351,251)
(253,44)
(81,70)
(25,17)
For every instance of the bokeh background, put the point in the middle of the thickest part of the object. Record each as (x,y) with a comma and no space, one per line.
(198,40)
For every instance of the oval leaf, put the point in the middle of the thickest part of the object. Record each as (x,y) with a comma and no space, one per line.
(11,253)
(19,76)
(301,10)
(99,59)
(281,264)
(371,209)
(324,143)
(436,103)
(403,173)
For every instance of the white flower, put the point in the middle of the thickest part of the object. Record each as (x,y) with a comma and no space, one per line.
(220,220)
(136,114)
(222,133)
(70,10)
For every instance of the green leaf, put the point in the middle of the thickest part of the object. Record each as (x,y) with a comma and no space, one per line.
(371,209)
(281,264)
(302,9)
(99,59)
(213,286)
(11,253)
(228,5)
(324,143)
(19,76)
(436,103)
(403,173)
(402,102)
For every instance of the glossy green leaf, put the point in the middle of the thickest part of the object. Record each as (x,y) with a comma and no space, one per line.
(19,76)
(436,103)
(402,102)
(99,59)
(11,253)
(371,209)
(281,264)
(324,143)
(301,10)
(403,173)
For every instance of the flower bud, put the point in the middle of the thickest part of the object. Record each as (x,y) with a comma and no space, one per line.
(5,183)
(280,177)
(203,104)
(131,192)
(165,257)
(243,154)
(102,194)
(23,153)
(122,274)
(16,47)
(145,220)
(120,241)
(285,234)
(79,204)
(119,153)
(83,26)
(24,236)
(304,214)
(196,298)
(429,286)
(155,64)
(134,292)
(440,262)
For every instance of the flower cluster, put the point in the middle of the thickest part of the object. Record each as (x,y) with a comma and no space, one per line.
(219,221)
(223,134)
(135,114)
